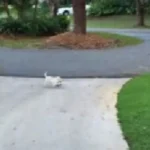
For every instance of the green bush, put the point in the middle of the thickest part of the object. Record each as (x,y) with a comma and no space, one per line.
(115,7)
(40,26)
(10,26)
(111,7)
(64,22)
(1,9)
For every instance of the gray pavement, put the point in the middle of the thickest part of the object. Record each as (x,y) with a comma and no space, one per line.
(69,118)
(119,62)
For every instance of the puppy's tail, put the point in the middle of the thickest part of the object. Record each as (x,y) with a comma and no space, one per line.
(45,74)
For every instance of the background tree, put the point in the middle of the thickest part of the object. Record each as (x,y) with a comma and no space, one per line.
(6,7)
(35,10)
(22,6)
(53,5)
(140,7)
(79,16)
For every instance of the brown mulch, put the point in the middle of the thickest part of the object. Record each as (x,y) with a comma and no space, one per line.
(79,41)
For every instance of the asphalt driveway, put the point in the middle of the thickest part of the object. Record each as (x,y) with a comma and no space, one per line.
(119,62)
(69,118)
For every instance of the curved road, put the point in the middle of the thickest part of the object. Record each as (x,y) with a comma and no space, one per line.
(119,62)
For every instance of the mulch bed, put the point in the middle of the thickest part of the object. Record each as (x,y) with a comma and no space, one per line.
(79,41)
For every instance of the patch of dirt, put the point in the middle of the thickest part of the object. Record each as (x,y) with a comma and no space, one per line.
(79,41)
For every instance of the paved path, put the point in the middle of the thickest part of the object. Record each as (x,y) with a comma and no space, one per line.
(69,118)
(118,62)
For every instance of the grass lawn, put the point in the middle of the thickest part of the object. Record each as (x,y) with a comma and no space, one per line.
(22,42)
(124,40)
(134,112)
(115,22)
(36,42)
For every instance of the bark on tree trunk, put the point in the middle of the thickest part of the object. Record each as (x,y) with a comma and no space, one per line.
(79,16)
(55,9)
(140,13)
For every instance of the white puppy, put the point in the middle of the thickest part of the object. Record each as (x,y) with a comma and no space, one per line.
(52,81)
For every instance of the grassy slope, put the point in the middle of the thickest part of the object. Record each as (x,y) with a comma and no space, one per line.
(115,22)
(124,40)
(25,42)
(122,21)
(134,112)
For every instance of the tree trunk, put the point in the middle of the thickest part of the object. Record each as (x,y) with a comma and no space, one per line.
(79,16)
(6,8)
(140,13)
(53,6)
(20,9)
(55,9)
(35,10)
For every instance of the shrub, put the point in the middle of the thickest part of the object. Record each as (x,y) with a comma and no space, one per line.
(111,7)
(115,7)
(11,26)
(64,22)
(40,26)
(1,9)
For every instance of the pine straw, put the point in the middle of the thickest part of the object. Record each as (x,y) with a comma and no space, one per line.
(79,41)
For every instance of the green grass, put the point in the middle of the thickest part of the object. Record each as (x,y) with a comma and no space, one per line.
(134,112)
(124,40)
(29,42)
(115,22)
(19,43)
